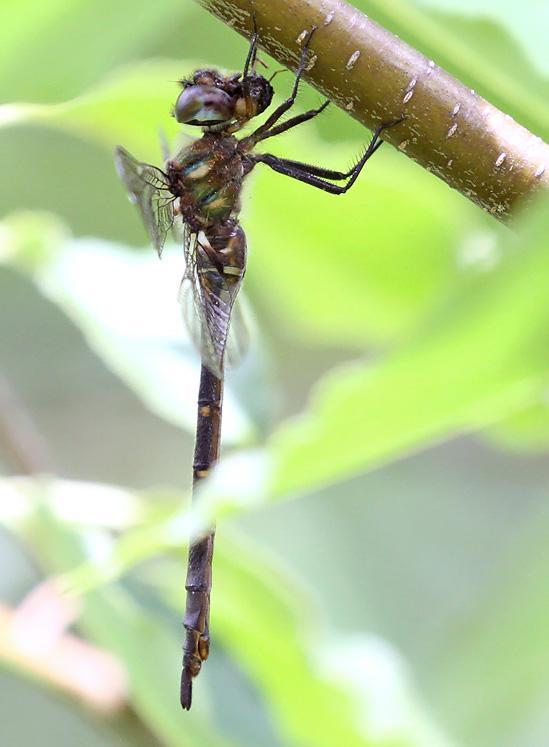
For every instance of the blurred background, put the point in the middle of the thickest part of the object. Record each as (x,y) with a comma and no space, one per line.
(380,577)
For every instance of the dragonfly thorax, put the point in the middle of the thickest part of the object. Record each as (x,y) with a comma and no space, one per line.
(207,177)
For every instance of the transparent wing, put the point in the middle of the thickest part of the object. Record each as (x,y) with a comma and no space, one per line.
(148,188)
(238,341)
(207,298)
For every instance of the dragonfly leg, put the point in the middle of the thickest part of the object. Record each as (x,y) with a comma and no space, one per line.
(252,52)
(293,122)
(285,105)
(316,176)
(308,169)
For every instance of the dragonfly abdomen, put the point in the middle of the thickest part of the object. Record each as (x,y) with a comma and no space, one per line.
(199,573)
(227,249)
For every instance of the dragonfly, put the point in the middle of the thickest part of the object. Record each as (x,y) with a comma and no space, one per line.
(200,188)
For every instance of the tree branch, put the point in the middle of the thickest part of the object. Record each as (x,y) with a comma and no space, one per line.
(376,77)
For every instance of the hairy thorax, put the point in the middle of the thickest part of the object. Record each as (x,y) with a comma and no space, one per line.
(207,176)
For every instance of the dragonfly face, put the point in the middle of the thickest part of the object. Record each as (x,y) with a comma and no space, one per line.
(210,98)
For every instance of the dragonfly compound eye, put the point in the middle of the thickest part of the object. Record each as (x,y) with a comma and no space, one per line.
(203,105)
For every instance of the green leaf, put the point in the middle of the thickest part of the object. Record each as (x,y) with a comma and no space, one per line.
(527,430)
(359,268)
(148,647)
(310,676)
(501,646)
(52,51)
(132,106)
(528,28)
(324,687)
(481,53)
(129,318)
(482,358)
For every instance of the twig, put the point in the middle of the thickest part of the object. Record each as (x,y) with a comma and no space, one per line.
(376,77)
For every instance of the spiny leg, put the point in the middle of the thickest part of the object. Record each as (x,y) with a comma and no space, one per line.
(316,176)
(293,122)
(289,102)
(311,169)
(252,51)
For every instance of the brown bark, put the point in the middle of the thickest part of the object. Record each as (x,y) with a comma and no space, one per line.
(376,77)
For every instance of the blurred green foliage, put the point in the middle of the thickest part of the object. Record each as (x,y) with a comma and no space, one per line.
(394,321)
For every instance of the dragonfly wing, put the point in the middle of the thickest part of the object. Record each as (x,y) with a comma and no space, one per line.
(238,341)
(148,188)
(207,297)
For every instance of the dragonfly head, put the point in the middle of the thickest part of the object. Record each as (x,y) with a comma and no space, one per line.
(206,99)
(211,99)
(255,96)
